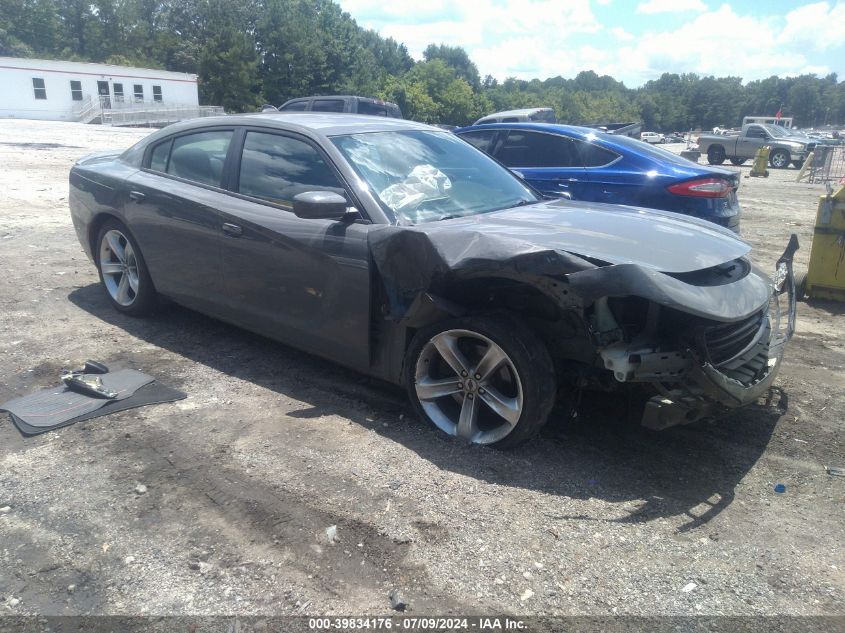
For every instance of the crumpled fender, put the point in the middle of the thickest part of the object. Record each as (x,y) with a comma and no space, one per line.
(412,261)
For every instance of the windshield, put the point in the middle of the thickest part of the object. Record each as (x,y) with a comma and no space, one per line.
(776,131)
(421,176)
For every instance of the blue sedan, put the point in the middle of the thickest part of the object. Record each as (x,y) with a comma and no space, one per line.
(594,166)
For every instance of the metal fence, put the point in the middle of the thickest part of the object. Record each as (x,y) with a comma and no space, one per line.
(111,111)
(828,164)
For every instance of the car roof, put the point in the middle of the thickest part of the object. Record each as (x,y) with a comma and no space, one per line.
(553,128)
(323,123)
(313,124)
(519,112)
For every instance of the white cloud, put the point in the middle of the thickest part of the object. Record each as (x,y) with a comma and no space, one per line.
(545,38)
(816,26)
(671,6)
(622,35)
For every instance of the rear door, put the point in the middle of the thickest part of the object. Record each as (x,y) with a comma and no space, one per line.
(549,162)
(173,211)
(303,281)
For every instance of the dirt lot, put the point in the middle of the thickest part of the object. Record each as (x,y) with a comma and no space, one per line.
(271,447)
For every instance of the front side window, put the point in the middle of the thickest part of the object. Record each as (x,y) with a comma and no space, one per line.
(200,157)
(76,90)
(39,88)
(328,105)
(118,93)
(157,93)
(276,168)
(139,92)
(755,132)
(532,149)
(421,176)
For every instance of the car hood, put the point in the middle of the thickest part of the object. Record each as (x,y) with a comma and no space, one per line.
(615,234)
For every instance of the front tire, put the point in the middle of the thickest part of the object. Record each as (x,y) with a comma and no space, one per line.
(123,272)
(738,161)
(779,159)
(485,378)
(716,155)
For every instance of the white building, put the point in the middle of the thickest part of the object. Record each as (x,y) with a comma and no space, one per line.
(76,91)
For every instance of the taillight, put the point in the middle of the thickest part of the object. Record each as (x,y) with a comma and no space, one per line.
(702,188)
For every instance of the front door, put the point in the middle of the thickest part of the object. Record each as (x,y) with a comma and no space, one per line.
(104,93)
(302,281)
(754,138)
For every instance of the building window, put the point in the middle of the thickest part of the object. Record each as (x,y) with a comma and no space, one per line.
(39,88)
(76,90)
(157,93)
(118,93)
(139,92)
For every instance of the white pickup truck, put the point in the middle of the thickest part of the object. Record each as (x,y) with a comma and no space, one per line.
(784,148)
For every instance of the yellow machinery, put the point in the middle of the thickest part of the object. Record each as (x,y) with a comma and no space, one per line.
(826,275)
(761,161)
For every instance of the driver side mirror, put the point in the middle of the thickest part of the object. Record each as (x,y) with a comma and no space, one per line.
(321,205)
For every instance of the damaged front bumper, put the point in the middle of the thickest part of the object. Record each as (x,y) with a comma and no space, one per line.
(729,365)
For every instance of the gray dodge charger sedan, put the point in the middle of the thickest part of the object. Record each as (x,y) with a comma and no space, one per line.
(399,250)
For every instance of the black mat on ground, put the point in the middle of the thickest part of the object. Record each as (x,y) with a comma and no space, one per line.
(152,393)
(50,407)
(60,406)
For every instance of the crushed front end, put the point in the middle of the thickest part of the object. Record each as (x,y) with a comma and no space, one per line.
(699,364)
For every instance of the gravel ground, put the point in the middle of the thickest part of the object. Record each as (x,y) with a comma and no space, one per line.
(220,503)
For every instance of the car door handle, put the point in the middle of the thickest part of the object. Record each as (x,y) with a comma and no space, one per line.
(137,196)
(232,230)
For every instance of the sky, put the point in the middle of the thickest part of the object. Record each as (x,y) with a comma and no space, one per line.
(631,40)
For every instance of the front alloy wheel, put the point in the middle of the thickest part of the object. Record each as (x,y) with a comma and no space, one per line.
(779,159)
(485,379)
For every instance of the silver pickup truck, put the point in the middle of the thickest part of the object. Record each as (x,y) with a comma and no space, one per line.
(785,149)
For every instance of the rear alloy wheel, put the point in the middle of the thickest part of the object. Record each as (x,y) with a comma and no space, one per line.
(123,272)
(716,155)
(779,159)
(738,161)
(487,379)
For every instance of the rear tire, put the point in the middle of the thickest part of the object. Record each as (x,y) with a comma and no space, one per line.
(123,272)
(738,161)
(716,155)
(486,378)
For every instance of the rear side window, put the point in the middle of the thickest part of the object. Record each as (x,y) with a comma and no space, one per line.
(372,108)
(532,149)
(295,106)
(200,157)
(159,156)
(481,139)
(594,156)
(328,105)
(276,168)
